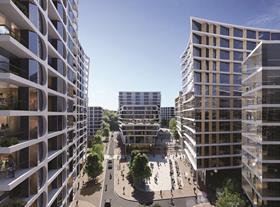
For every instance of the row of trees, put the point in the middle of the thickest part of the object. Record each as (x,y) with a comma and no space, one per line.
(95,157)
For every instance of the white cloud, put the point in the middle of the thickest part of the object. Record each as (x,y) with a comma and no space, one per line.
(269,18)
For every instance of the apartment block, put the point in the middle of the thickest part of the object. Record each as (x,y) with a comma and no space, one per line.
(166,113)
(95,119)
(211,96)
(139,115)
(261,125)
(43,102)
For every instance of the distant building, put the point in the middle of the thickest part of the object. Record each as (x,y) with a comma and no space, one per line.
(95,119)
(139,115)
(261,125)
(166,113)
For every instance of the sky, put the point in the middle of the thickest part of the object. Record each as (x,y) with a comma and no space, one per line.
(135,45)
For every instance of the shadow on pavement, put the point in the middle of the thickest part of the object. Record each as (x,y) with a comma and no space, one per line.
(90,187)
(143,197)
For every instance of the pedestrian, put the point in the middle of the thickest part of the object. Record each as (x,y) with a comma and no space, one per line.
(77,203)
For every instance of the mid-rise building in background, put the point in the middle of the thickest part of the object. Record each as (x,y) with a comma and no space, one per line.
(166,114)
(177,112)
(43,102)
(211,96)
(261,125)
(95,119)
(139,116)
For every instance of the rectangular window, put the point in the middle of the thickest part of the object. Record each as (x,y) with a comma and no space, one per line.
(237,55)
(251,34)
(214,65)
(207,77)
(238,44)
(264,35)
(196,39)
(271,55)
(224,78)
(237,79)
(214,29)
(197,77)
(275,36)
(197,89)
(224,67)
(196,26)
(224,42)
(251,45)
(214,90)
(224,54)
(197,64)
(224,30)
(224,90)
(214,41)
(237,67)
(214,78)
(197,51)
(238,32)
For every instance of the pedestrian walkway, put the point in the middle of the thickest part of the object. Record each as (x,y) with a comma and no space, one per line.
(82,204)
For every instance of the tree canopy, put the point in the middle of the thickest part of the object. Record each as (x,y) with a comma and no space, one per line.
(140,168)
(94,165)
(111,118)
(228,196)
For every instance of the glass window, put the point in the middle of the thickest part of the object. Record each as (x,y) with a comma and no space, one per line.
(197,64)
(237,55)
(214,41)
(197,77)
(207,27)
(214,65)
(237,79)
(214,78)
(237,67)
(271,55)
(224,78)
(238,44)
(207,77)
(224,90)
(238,32)
(275,36)
(214,53)
(197,51)
(214,89)
(224,42)
(264,35)
(224,102)
(251,45)
(214,29)
(224,30)
(197,89)
(224,54)
(196,26)
(251,34)
(224,67)
(196,39)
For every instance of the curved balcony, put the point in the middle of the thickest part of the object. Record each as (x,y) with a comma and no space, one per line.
(60,9)
(59,46)
(13,97)
(58,65)
(59,28)
(31,11)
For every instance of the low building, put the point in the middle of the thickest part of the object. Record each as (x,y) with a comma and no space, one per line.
(261,124)
(166,114)
(139,118)
(95,119)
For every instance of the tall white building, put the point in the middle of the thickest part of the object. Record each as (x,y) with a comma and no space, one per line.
(95,119)
(139,114)
(43,102)
(211,96)
(166,113)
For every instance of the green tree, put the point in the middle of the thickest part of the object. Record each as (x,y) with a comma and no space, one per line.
(98,149)
(97,139)
(140,168)
(228,197)
(106,131)
(172,125)
(132,156)
(112,119)
(93,166)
